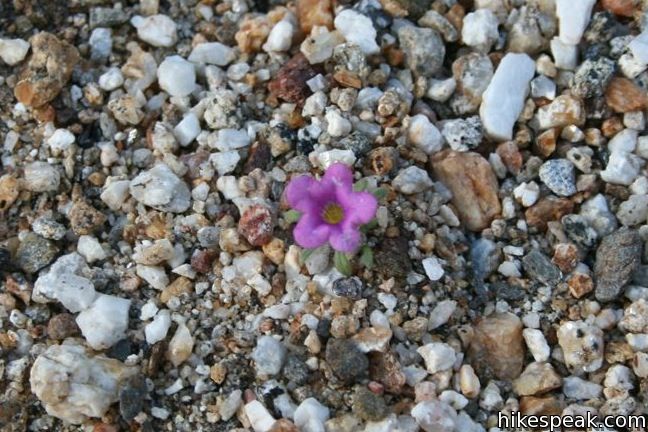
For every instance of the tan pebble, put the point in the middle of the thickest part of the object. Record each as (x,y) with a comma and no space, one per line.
(469,382)
(218,372)
(473,184)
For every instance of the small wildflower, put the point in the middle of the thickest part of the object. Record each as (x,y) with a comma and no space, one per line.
(330,209)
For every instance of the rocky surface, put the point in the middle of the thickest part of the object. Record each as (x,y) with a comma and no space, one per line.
(149,275)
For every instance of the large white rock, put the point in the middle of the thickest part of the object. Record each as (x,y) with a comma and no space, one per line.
(177,76)
(212,53)
(574,16)
(73,386)
(424,135)
(161,189)
(503,100)
(105,322)
(358,29)
(13,51)
(156,30)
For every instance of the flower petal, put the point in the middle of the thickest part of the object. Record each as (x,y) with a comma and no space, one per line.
(298,192)
(345,239)
(359,207)
(340,175)
(310,232)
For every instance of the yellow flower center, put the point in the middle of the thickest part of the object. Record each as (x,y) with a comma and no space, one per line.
(333,213)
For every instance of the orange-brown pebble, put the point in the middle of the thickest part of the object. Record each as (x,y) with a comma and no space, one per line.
(312,13)
(547,209)
(625,8)
(545,143)
(510,154)
(623,95)
(565,256)
(580,284)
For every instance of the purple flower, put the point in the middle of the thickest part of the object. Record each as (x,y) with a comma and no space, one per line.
(331,211)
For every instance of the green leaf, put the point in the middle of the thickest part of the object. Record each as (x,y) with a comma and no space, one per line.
(366,257)
(380,193)
(342,263)
(292,216)
(361,185)
(373,223)
(305,254)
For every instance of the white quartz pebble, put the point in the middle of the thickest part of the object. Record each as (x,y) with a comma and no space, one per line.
(433,268)
(437,356)
(573,16)
(310,415)
(115,193)
(260,419)
(111,79)
(105,322)
(480,30)
(537,344)
(504,98)
(157,330)
(280,37)
(358,29)
(424,135)
(156,30)
(187,130)
(214,53)
(177,76)
(90,248)
(565,55)
(60,140)
(13,51)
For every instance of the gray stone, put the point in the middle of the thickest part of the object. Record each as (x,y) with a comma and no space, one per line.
(424,49)
(617,258)
(592,77)
(357,142)
(579,230)
(438,22)
(368,405)
(559,176)
(346,361)
(35,252)
(348,287)
(538,266)
(463,134)
(269,355)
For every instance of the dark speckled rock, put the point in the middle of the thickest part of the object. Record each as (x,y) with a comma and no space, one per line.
(617,258)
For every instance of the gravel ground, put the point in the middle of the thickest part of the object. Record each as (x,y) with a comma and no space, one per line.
(151,276)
